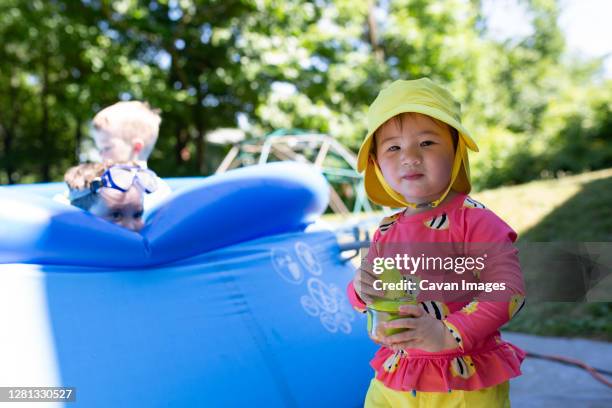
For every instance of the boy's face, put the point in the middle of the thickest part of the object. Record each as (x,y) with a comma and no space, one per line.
(415,158)
(114,148)
(124,209)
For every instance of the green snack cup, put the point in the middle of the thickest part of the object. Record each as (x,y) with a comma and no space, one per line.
(381,311)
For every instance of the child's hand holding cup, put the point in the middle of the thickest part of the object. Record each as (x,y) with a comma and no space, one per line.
(385,308)
(382,311)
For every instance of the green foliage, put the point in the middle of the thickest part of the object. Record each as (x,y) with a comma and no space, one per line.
(294,63)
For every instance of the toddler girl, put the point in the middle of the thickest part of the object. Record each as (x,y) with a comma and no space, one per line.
(448,351)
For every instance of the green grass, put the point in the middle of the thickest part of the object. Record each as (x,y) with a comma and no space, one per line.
(578,209)
(573,208)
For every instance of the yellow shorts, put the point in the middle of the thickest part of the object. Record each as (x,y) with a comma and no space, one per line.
(380,396)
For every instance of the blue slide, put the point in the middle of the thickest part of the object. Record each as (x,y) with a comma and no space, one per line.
(223,300)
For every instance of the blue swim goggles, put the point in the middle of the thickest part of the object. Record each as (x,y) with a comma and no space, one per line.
(121,177)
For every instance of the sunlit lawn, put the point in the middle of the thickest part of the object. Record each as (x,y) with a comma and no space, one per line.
(582,202)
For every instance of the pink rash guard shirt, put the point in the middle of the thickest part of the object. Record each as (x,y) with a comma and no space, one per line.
(482,359)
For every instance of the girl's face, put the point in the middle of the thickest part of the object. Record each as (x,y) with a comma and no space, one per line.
(415,155)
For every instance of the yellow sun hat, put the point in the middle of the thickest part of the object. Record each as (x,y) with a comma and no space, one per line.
(419,96)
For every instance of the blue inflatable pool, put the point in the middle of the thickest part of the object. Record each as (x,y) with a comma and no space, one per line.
(222,301)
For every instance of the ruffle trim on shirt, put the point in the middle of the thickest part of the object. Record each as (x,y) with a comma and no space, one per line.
(441,372)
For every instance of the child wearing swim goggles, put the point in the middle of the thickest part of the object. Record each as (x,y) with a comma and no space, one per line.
(114,192)
(435,352)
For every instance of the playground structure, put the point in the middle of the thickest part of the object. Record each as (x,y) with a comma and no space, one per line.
(337,163)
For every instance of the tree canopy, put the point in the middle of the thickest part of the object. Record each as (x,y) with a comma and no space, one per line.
(536,111)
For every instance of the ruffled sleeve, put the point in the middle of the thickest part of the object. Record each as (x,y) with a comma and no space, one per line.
(486,233)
